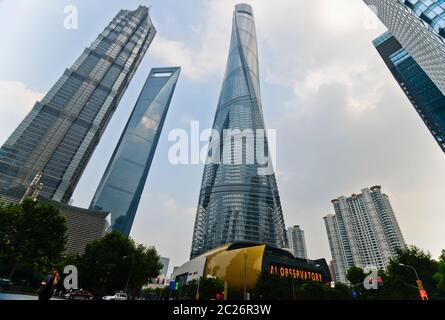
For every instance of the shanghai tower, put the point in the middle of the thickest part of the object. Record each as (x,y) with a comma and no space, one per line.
(59,135)
(237,201)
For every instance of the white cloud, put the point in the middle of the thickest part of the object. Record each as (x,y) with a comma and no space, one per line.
(16,100)
(346,120)
(349,122)
(209,56)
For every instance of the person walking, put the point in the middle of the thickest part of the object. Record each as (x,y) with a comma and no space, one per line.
(48,286)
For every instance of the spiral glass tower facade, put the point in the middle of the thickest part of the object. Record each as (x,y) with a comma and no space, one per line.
(61,132)
(238,201)
(121,187)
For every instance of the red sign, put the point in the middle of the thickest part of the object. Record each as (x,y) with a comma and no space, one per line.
(423,294)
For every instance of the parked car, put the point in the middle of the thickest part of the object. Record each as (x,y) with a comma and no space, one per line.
(78,295)
(5,283)
(117,296)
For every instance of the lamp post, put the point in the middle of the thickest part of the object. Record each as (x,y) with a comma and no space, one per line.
(197,289)
(422,291)
(410,267)
(245,274)
(129,272)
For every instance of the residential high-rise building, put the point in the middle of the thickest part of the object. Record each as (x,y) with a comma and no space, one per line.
(121,187)
(239,200)
(62,130)
(297,243)
(363,232)
(424,95)
(418,26)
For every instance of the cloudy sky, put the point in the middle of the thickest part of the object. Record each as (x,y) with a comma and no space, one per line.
(342,122)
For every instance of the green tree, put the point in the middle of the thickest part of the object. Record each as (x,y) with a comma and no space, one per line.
(115,263)
(269,287)
(32,236)
(439,276)
(188,290)
(208,288)
(312,291)
(340,292)
(400,281)
(355,276)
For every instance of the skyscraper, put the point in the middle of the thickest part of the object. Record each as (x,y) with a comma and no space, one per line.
(238,201)
(432,12)
(297,243)
(363,232)
(60,133)
(414,23)
(123,181)
(424,95)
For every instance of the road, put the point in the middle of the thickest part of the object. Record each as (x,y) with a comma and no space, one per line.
(14,296)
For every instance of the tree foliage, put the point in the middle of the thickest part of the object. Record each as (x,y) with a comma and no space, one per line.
(269,287)
(355,276)
(208,289)
(32,237)
(114,263)
(400,281)
(439,276)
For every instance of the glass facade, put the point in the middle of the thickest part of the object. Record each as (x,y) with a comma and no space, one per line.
(432,12)
(236,202)
(416,25)
(424,95)
(60,133)
(123,181)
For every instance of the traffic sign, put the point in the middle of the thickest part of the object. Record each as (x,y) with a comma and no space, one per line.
(354,293)
(173,286)
(423,295)
(419,284)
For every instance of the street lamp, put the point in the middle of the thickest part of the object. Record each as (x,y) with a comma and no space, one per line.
(197,289)
(423,294)
(245,274)
(410,267)
(129,271)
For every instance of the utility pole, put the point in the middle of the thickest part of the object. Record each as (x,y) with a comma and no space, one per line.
(422,291)
(245,274)
(129,272)
(197,289)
